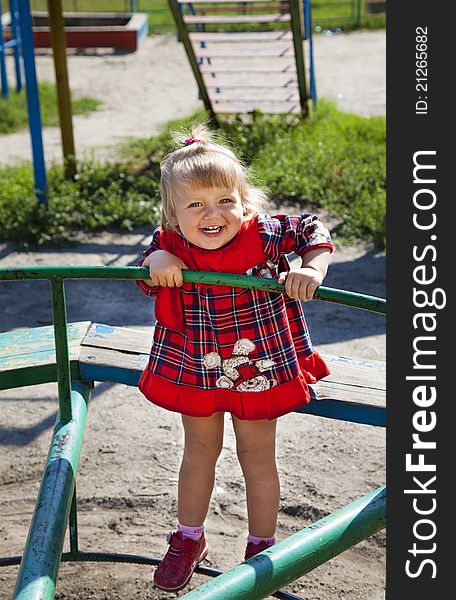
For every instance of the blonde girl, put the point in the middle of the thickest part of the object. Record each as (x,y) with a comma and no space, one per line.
(220,349)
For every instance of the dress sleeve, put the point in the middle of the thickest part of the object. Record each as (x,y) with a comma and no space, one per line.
(283,234)
(153,246)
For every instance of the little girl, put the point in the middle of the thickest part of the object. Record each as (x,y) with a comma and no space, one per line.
(218,349)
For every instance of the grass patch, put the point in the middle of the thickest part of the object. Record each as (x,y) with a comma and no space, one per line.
(335,164)
(13,112)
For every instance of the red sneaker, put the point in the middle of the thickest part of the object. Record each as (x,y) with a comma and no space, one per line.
(253,549)
(183,556)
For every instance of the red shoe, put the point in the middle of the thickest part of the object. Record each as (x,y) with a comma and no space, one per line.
(183,556)
(253,549)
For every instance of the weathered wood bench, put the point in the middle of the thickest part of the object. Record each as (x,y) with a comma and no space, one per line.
(355,390)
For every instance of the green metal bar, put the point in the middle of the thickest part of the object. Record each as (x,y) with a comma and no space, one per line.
(300,553)
(43,549)
(73,524)
(358,13)
(61,349)
(363,301)
(297,27)
(270,285)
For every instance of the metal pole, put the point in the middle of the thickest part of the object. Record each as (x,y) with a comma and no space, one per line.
(33,100)
(43,549)
(57,29)
(297,26)
(300,553)
(17,46)
(308,31)
(358,13)
(61,349)
(73,525)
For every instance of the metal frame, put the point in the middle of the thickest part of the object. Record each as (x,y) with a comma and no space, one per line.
(297,27)
(15,44)
(56,502)
(308,36)
(33,100)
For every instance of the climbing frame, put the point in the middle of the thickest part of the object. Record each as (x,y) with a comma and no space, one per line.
(238,67)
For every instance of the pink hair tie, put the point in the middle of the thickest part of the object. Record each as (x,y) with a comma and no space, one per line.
(189,141)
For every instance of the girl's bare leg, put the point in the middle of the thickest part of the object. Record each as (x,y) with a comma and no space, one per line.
(203,444)
(255,443)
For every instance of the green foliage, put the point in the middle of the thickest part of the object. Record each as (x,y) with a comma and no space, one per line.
(102,196)
(334,164)
(13,112)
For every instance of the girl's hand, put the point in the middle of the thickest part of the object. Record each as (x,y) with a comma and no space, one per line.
(165,269)
(301,284)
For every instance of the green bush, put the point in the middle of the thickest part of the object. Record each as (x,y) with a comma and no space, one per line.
(102,196)
(334,164)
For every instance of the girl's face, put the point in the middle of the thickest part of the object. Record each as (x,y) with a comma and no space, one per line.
(209,217)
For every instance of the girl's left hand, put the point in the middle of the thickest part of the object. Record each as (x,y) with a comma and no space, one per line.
(301,284)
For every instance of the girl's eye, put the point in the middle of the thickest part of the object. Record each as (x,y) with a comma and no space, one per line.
(225,200)
(193,204)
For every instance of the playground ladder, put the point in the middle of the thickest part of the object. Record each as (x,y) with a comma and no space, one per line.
(238,68)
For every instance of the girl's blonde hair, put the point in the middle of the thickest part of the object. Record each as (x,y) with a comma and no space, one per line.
(200,162)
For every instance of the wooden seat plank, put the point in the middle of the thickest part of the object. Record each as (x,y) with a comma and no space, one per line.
(122,339)
(109,364)
(348,392)
(114,354)
(236,19)
(20,342)
(27,356)
(354,391)
(367,373)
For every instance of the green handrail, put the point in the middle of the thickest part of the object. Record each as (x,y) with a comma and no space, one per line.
(347,298)
(300,553)
(43,549)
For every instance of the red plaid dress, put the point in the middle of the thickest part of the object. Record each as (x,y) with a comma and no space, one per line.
(219,348)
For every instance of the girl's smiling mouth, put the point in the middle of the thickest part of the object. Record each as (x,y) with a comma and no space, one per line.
(212,230)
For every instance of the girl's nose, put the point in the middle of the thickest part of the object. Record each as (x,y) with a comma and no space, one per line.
(211,211)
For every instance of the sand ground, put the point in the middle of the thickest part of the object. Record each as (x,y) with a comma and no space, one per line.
(130,458)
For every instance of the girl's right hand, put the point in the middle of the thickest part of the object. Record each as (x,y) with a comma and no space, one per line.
(165,269)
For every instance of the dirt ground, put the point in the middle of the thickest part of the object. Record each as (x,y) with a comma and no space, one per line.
(128,470)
